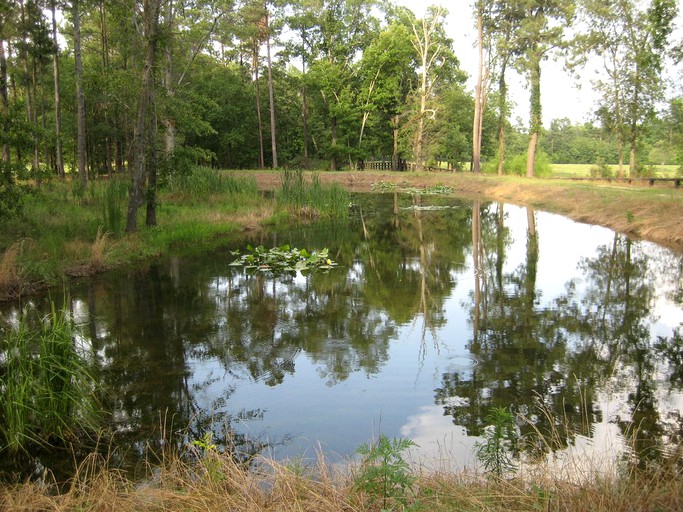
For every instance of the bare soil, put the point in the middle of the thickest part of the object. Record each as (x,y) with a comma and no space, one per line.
(651,213)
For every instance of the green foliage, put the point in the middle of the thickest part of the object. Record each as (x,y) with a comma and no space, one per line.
(11,194)
(113,197)
(46,388)
(516,165)
(384,474)
(500,442)
(201,182)
(311,198)
(283,259)
(600,170)
(383,186)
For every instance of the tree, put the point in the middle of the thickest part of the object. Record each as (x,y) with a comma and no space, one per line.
(80,97)
(387,72)
(59,157)
(433,53)
(632,38)
(145,124)
(540,30)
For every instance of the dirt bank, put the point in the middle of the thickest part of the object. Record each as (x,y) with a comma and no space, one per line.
(650,213)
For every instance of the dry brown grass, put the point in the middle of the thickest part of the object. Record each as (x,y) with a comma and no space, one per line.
(13,282)
(216,483)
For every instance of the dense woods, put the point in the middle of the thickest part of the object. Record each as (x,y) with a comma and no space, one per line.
(154,87)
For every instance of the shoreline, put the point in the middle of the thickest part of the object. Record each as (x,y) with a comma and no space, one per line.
(641,212)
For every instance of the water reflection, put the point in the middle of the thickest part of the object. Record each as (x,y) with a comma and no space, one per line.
(439,310)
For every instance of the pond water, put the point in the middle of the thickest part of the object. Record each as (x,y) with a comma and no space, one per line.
(439,310)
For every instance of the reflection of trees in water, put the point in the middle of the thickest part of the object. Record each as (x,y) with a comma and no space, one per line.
(559,357)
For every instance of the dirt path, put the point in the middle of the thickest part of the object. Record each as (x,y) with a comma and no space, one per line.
(650,213)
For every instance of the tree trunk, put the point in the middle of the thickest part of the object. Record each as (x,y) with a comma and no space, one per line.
(502,115)
(394,147)
(141,133)
(80,98)
(59,156)
(259,119)
(334,164)
(271,98)
(105,66)
(4,94)
(151,195)
(305,102)
(169,124)
(478,100)
(535,114)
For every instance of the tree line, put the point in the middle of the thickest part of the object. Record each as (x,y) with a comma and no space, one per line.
(153,87)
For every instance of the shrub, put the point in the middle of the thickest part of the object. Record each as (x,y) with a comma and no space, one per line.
(600,170)
(516,164)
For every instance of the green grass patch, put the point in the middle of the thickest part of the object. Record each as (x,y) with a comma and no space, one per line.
(310,198)
(584,170)
(47,391)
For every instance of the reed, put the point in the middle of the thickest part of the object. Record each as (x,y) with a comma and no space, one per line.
(311,199)
(203,182)
(211,480)
(48,393)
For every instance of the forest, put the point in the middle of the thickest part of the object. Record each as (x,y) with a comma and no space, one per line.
(156,87)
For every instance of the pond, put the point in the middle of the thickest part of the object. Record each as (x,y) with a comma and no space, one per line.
(439,310)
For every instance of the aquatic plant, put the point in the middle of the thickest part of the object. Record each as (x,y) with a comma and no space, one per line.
(46,391)
(311,198)
(383,186)
(283,259)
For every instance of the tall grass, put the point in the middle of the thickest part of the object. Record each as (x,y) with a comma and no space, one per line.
(215,481)
(311,198)
(113,201)
(47,391)
(204,181)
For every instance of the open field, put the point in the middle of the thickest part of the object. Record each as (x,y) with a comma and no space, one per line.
(584,170)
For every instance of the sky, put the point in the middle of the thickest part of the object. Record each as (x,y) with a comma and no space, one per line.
(561,95)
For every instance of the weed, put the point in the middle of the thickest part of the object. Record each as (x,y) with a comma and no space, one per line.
(311,199)
(47,390)
(11,272)
(384,473)
(100,249)
(113,203)
(500,439)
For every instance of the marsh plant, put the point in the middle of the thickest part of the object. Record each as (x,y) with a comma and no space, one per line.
(113,200)
(310,198)
(384,474)
(501,435)
(283,260)
(47,393)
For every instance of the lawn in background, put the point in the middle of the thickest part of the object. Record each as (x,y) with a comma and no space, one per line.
(584,170)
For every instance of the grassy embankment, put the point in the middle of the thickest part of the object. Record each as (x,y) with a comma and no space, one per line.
(64,231)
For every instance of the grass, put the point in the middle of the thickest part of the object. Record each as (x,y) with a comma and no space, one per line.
(65,230)
(310,198)
(47,391)
(208,480)
(584,170)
